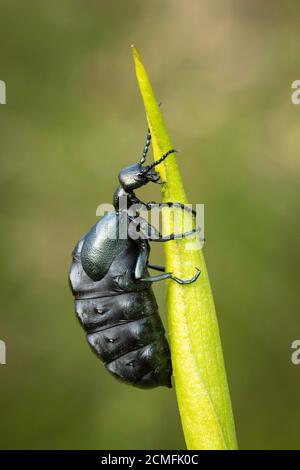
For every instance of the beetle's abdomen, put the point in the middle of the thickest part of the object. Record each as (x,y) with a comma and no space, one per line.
(120,317)
(126,333)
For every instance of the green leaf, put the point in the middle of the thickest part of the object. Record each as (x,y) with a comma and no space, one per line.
(197,358)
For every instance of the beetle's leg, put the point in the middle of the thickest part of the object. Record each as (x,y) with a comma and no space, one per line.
(148,232)
(142,263)
(146,147)
(142,259)
(162,277)
(173,236)
(155,266)
(152,204)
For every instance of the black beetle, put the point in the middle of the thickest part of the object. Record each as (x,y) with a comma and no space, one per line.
(109,279)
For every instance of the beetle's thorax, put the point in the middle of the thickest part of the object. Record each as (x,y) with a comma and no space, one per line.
(124,199)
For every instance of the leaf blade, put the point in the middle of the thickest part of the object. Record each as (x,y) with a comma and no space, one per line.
(199,371)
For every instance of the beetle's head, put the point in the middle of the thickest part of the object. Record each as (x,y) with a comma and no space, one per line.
(135,176)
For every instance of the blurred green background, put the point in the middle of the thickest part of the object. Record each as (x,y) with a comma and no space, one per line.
(73,118)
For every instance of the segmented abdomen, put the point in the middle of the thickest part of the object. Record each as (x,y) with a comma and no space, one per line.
(126,333)
(120,317)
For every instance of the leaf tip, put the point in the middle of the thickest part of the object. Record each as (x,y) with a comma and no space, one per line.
(135,53)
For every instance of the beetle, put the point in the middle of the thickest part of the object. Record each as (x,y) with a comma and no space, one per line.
(109,279)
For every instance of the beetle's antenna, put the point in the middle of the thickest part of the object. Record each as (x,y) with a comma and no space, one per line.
(157,162)
(146,148)
(148,142)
